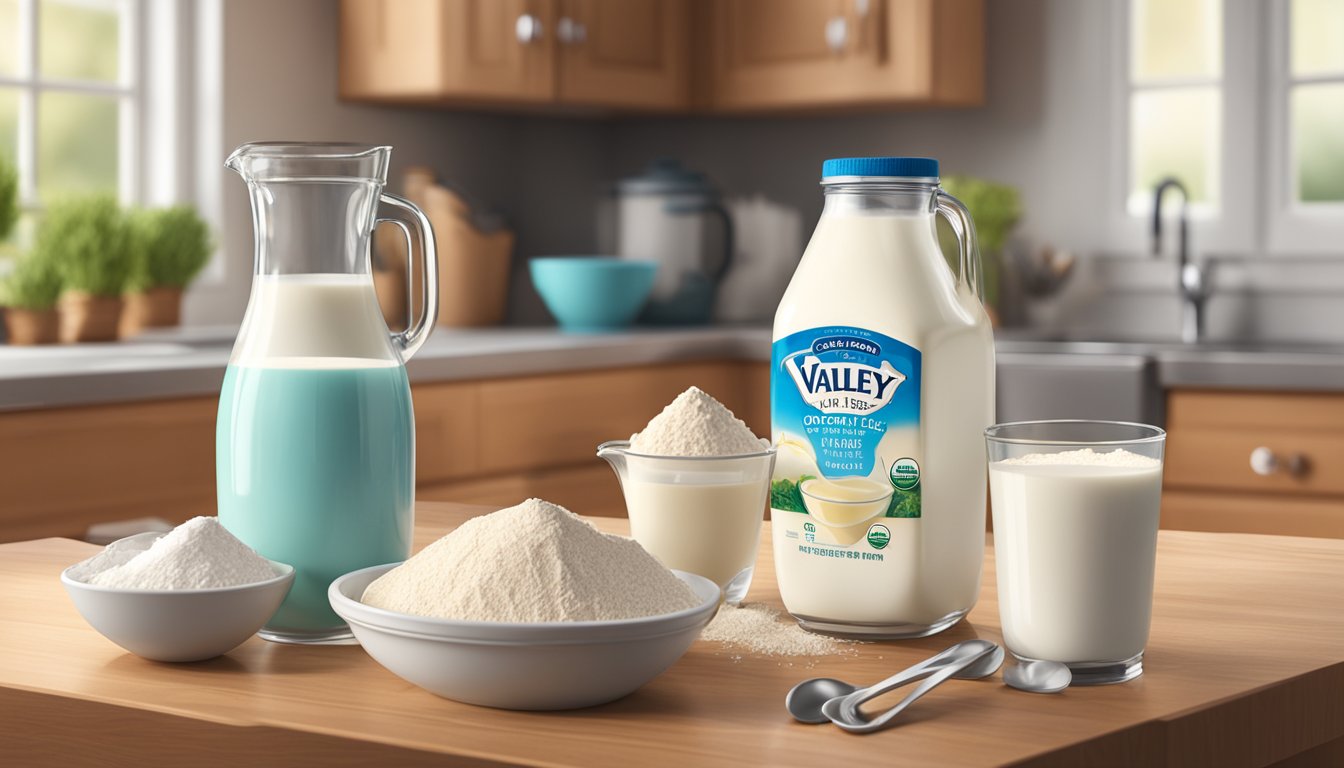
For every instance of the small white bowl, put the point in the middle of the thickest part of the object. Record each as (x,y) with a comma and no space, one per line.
(179,624)
(551,665)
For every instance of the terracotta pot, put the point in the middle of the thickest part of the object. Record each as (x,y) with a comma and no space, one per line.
(85,317)
(155,308)
(31,326)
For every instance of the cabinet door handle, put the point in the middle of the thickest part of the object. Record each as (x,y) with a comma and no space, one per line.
(527,28)
(1265,462)
(570,32)
(837,34)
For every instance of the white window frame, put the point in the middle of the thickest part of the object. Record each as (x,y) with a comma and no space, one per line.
(127,90)
(1233,226)
(1292,228)
(169,118)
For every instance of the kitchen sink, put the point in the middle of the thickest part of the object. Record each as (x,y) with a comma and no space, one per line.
(1069,380)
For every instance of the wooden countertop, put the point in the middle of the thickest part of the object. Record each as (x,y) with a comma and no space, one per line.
(1245,667)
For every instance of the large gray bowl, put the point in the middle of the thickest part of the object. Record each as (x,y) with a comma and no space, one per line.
(179,624)
(552,665)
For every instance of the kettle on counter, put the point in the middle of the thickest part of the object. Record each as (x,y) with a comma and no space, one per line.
(666,214)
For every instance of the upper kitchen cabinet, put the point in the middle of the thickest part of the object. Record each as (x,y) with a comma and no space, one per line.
(665,55)
(468,51)
(604,53)
(808,54)
(624,53)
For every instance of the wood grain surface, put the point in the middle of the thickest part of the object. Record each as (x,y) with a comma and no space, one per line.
(1245,667)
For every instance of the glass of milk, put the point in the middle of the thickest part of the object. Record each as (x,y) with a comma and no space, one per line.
(700,514)
(1075,508)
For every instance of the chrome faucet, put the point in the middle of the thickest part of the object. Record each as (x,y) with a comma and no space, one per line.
(1191,275)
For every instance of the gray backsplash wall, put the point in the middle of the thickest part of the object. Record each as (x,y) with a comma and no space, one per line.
(1042,129)
(280,82)
(1045,128)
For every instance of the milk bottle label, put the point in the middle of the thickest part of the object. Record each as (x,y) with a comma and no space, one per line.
(845,409)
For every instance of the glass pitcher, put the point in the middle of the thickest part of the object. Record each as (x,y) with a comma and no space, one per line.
(315,440)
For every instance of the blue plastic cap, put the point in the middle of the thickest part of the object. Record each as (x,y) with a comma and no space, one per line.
(900,167)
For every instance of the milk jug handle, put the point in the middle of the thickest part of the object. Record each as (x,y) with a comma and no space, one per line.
(968,247)
(408,217)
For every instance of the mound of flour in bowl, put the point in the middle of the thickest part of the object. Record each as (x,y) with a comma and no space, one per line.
(530,563)
(695,424)
(198,554)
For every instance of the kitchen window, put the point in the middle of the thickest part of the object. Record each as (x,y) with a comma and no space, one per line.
(1306,130)
(1242,101)
(70,96)
(1175,99)
(107,96)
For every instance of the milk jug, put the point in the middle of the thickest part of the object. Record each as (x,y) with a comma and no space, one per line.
(315,439)
(882,384)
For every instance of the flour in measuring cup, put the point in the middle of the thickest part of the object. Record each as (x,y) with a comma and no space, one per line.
(695,424)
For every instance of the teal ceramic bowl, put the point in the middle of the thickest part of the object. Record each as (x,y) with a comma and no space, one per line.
(593,293)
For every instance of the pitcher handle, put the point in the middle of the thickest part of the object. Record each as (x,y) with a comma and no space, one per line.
(411,217)
(968,246)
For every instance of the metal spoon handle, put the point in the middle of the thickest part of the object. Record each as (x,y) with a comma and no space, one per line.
(955,655)
(932,681)
(904,677)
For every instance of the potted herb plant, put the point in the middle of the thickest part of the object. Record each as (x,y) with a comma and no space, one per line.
(170,246)
(30,294)
(9,202)
(29,291)
(88,242)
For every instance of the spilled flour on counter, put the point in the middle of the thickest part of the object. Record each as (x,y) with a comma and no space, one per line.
(530,563)
(695,424)
(760,629)
(198,554)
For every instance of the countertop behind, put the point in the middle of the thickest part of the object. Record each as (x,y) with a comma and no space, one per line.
(190,362)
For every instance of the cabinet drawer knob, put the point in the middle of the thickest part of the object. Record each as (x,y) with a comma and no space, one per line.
(1265,462)
(570,32)
(837,34)
(527,28)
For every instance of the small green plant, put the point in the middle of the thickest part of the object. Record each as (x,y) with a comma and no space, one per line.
(89,243)
(34,284)
(171,246)
(9,197)
(995,209)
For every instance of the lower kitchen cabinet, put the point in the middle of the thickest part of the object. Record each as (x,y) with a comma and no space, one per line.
(591,489)
(66,469)
(495,441)
(1256,462)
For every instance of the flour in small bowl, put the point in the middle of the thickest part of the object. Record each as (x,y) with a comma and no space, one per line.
(695,424)
(198,554)
(534,562)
